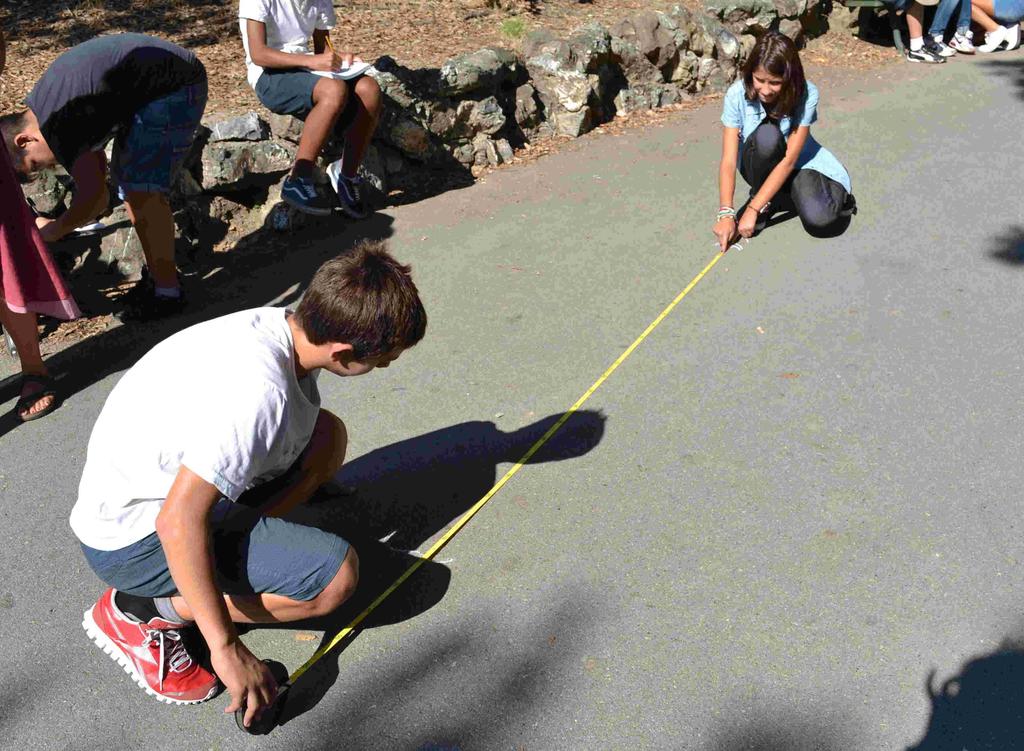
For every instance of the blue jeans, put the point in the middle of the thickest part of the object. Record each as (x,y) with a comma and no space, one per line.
(945,11)
(158,137)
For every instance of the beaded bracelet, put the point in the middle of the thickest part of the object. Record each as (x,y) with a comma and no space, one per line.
(726,211)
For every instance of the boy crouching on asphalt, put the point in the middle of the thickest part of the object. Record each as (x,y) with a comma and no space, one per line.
(276,34)
(181,494)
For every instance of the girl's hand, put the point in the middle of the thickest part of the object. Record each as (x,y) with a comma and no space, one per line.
(725,231)
(328,61)
(747,223)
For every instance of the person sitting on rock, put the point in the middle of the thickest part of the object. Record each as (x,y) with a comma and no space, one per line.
(201,448)
(767,116)
(283,72)
(146,94)
(1000,20)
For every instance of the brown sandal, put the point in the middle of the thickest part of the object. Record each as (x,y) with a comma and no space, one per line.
(28,400)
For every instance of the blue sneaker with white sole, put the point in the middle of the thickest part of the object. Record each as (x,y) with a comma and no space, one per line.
(301,193)
(349,190)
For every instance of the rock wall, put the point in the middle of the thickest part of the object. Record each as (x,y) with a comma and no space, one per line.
(471,113)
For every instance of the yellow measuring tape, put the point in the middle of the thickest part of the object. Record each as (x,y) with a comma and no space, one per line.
(350,629)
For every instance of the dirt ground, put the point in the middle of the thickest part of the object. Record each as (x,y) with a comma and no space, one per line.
(417,33)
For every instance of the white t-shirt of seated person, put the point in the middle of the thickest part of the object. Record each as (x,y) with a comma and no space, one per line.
(221,398)
(289,24)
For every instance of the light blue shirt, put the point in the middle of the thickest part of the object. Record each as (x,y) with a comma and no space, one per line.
(738,112)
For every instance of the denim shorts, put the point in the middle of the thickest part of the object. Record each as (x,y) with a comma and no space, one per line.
(158,137)
(289,91)
(253,554)
(1008,11)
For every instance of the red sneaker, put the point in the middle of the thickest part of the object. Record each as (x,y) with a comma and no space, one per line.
(152,653)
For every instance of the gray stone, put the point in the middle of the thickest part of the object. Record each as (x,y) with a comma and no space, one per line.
(635,66)
(184,184)
(790,8)
(656,43)
(373,169)
(744,16)
(590,47)
(842,18)
(685,73)
(792,28)
(49,190)
(685,26)
(485,153)
(565,92)
(247,127)
(485,69)
(285,127)
(232,165)
(504,149)
(487,116)
(393,162)
(411,139)
(464,153)
(536,39)
(527,113)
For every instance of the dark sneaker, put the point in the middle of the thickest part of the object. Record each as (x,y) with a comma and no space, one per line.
(936,46)
(151,652)
(849,206)
(924,55)
(349,190)
(301,193)
(141,303)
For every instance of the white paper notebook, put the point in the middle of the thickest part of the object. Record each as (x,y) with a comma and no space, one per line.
(355,69)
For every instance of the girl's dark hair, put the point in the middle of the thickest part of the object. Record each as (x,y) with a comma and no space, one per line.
(364,298)
(777,54)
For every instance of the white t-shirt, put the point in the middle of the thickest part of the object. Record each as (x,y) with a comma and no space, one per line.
(221,398)
(290,24)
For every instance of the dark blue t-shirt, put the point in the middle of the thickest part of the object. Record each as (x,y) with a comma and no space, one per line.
(93,89)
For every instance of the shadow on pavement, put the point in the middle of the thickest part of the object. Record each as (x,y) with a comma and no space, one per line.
(415,489)
(779,730)
(1013,70)
(1009,247)
(982,707)
(515,684)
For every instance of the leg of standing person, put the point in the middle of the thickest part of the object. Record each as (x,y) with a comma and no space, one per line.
(917,52)
(934,39)
(962,41)
(36,398)
(144,163)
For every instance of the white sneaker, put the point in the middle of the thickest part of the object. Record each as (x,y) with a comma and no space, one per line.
(1013,36)
(962,43)
(993,39)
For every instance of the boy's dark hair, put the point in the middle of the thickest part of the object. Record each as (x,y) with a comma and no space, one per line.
(11,125)
(364,298)
(777,54)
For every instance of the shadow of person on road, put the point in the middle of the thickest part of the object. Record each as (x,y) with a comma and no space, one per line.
(1009,247)
(411,491)
(981,708)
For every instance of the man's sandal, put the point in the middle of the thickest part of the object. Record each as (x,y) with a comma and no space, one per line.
(25,402)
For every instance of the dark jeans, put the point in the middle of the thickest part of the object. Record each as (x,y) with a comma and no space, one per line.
(818,200)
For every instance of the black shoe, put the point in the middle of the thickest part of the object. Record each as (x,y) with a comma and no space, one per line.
(849,206)
(302,194)
(141,303)
(924,55)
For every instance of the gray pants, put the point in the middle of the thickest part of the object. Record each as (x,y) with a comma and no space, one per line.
(822,204)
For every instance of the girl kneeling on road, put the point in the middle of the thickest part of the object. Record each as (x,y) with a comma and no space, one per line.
(767,116)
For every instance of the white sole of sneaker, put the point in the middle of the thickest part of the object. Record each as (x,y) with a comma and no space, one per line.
(103,641)
(305,209)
